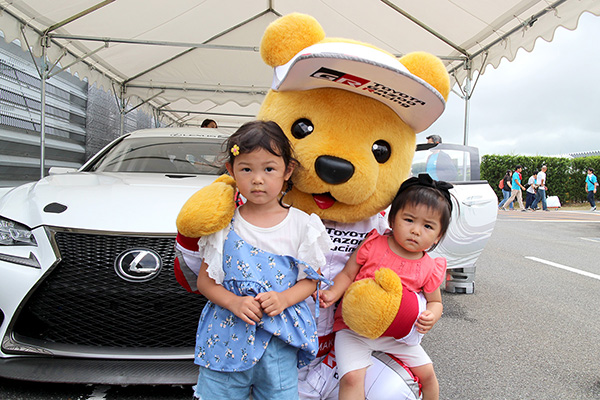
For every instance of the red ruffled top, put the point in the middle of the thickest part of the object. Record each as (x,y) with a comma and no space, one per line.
(425,274)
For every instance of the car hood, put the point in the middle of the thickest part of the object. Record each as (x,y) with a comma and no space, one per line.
(121,202)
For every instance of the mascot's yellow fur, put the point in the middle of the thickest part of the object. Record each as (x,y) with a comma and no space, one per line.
(333,124)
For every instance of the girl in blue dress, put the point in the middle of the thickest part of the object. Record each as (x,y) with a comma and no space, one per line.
(256,329)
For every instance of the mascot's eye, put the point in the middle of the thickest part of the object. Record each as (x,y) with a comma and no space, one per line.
(382,151)
(302,128)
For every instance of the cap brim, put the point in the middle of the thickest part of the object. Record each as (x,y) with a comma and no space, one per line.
(365,71)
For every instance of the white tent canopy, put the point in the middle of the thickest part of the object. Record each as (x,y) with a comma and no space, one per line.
(194,59)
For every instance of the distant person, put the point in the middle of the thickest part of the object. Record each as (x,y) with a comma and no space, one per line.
(434,139)
(531,190)
(439,164)
(209,123)
(516,188)
(591,185)
(506,189)
(541,190)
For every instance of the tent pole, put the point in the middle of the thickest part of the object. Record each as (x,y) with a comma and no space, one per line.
(121,122)
(43,128)
(122,110)
(467,109)
(44,76)
(467,96)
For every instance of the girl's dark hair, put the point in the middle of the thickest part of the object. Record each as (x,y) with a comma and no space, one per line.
(430,197)
(266,135)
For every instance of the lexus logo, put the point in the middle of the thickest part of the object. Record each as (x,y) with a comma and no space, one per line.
(138,265)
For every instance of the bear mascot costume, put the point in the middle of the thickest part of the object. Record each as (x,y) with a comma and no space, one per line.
(351,112)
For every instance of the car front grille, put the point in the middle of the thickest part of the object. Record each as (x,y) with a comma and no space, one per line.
(83,302)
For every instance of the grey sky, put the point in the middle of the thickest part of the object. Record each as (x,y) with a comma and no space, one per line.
(546,102)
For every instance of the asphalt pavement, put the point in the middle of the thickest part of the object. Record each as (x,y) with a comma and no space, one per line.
(531,328)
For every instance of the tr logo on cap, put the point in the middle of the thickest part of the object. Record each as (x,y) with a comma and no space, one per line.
(365,71)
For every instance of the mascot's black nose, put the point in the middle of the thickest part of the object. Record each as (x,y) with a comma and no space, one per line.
(333,170)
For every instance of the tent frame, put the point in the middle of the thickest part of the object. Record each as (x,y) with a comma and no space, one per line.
(178,117)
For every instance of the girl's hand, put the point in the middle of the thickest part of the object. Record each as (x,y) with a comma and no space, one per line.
(425,321)
(272,303)
(247,308)
(326,298)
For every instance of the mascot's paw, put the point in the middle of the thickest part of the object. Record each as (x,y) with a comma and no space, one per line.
(209,210)
(370,305)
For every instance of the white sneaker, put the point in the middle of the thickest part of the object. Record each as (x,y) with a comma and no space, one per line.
(593,208)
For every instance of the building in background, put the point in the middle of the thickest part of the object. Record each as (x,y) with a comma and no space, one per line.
(80,119)
(593,153)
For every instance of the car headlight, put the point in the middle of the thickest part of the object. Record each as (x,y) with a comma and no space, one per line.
(15,234)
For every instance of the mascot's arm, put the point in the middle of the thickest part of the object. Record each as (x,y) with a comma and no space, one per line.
(208,211)
(341,282)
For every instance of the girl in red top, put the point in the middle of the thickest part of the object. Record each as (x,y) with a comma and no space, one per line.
(419,217)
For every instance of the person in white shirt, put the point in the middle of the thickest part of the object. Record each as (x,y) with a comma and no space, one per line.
(531,190)
(541,190)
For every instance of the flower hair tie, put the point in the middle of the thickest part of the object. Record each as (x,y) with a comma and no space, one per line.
(235,150)
(425,180)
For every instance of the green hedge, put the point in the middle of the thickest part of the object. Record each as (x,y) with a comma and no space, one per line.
(565,176)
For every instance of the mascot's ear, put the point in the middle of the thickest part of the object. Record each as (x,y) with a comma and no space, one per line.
(287,35)
(429,68)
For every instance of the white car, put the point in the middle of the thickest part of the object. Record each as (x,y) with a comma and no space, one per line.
(474,212)
(87,290)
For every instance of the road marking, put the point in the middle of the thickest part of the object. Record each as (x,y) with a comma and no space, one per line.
(559,221)
(570,269)
(580,221)
(595,240)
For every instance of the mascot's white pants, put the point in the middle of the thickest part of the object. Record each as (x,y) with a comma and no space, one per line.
(319,380)
(387,379)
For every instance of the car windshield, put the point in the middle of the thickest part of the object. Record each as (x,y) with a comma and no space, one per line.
(171,155)
(453,165)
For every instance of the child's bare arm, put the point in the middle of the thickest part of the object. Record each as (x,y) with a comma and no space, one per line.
(432,314)
(340,283)
(273,303)
(245,307)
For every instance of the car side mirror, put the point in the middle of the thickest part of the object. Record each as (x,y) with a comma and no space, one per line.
(61,170)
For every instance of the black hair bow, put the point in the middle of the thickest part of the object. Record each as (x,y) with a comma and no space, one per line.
(425,180)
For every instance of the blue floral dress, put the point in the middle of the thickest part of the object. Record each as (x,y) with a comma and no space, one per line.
(225,342)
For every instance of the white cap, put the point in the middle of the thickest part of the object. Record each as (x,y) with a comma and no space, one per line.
(366,71)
